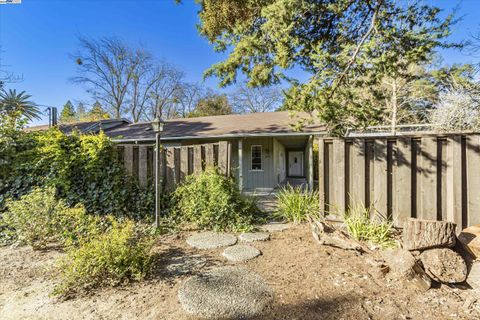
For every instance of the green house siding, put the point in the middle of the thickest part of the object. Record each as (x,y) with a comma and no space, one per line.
(263,178)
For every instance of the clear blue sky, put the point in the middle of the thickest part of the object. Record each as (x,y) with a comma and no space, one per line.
(37,36)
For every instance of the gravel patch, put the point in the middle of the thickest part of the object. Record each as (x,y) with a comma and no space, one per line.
(241,253)
(275,227)
(254,236)
(185,264)
(225,293)
(211,240)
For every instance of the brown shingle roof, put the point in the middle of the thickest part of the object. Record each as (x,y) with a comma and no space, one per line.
(83,126)
(215,126)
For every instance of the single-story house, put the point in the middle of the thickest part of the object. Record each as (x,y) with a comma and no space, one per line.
(266,148)
(84,127)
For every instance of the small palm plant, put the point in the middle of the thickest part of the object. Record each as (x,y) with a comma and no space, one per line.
(17,106)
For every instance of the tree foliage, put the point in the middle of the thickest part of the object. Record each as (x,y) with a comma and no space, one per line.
(211,105)
(343,46)
(68,113)
(16,109)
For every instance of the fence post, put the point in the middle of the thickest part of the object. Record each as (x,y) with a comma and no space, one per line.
(142,165)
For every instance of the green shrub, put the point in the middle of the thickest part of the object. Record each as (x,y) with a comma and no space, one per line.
(39,218)
(83,168)
(120,254)
(296,204)
(210,200)
(362,226)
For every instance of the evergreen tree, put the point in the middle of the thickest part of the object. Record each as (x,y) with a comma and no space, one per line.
(68,113)
(211,105)
(81,112)
(97,112)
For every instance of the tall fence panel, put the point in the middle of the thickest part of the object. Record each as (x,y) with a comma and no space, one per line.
(431,176)
(175,163)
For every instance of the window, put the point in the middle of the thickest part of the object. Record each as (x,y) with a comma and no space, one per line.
(256,157)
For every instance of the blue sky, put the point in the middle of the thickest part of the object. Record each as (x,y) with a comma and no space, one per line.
(37,36)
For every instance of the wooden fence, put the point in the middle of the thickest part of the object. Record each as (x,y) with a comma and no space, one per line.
(175,163)
(427,176)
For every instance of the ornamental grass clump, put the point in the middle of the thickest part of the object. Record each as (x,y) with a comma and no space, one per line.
(118,255)
(295,204)
(211,201)
(364,224)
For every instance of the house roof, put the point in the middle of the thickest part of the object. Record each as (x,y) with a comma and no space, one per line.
(236,125)
(83,126)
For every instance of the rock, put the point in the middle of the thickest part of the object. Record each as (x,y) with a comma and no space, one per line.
(211,240)
(225,293)
(473,278)
(240,253)
(254,236)
(405,267)
(444,265)
(326,234)
(275,227)
(426,234)
(185,264)
(470,240)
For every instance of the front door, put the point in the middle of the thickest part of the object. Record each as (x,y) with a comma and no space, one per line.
(295,164)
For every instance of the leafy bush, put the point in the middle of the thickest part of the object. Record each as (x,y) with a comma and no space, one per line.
(83,168)
(210,200)
(295,204)
(118,255)
(363,227)
(39,218)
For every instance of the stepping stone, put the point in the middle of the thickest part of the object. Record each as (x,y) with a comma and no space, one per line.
(275,227)
(254,236)
(225,293)
(241,253)
(185,264)
(211,240)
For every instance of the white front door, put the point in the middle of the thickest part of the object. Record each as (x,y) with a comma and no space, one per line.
(295,164)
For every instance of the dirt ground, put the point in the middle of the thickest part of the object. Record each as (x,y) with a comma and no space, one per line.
(310,282)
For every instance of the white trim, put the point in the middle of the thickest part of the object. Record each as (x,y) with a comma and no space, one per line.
(251,157)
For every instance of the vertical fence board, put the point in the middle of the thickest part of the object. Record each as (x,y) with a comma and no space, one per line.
(197,159)
(128,158)
(170,155)
(321,173)
(223,157)
(454,180)
(142,166)
(473,179)
(183,162)
(209,155)
(357,153)
(402,209)
(428,176)
(380,176)
(338,173)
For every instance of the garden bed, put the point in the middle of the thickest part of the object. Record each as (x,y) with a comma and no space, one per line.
(310,281)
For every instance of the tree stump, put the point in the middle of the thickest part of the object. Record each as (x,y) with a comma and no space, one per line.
(426,234)
(405,267)
(470,240)
(444,265)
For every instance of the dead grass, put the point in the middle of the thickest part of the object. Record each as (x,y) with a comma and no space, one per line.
(310,282)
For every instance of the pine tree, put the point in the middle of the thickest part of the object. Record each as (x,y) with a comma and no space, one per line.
(81,112)
(68,113)
(97,112)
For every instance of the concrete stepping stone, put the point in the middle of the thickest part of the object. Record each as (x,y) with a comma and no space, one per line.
(211,240)
(240,253)
(225,293)
(254,236)
(181,265)
(275,227)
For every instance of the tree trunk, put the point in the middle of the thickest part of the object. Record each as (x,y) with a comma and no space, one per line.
(444,265)
(426,234)
(394,107)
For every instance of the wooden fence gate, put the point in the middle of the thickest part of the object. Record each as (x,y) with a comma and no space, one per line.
(176,162)
(429,176)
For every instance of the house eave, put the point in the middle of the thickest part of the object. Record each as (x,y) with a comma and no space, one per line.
(235,135)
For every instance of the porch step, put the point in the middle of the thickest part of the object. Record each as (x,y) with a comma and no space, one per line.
(267,203)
